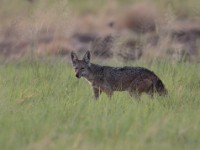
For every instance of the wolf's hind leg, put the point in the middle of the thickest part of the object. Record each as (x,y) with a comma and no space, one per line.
(151,91)
(135,94)
(139,86)
(133,91)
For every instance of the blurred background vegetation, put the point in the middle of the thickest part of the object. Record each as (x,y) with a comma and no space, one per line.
(122,29)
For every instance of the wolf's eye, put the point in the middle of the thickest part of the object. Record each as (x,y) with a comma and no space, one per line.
(82,68)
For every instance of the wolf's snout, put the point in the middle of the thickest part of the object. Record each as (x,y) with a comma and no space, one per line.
(77,75)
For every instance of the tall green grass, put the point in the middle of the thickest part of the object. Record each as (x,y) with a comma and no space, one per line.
(43,106)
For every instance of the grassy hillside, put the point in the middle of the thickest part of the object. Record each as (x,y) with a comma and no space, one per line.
(43,106)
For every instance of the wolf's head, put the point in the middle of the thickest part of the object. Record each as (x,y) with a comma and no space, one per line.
(81,66)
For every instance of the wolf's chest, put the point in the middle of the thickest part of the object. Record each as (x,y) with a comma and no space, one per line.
(97,84)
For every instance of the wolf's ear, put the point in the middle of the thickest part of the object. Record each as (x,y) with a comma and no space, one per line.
(86,57)
(74,57)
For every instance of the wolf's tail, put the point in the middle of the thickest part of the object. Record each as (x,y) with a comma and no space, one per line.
(160,88)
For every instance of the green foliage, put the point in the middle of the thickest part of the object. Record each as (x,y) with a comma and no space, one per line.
(43,106)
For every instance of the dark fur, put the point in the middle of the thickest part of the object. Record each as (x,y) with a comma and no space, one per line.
(135,80)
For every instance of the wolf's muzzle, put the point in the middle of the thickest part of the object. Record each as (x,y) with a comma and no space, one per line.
(78,76)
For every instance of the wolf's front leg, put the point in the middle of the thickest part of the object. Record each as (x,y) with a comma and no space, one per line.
(109,93)
(97,92)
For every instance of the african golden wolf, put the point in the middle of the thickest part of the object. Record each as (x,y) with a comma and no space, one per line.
(135,80)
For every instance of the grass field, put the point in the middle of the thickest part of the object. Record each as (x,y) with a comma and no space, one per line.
(43,106)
